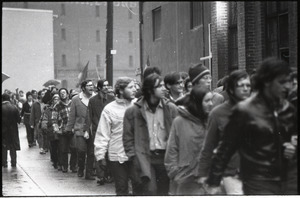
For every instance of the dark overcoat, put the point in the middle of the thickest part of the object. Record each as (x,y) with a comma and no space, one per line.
(10,132)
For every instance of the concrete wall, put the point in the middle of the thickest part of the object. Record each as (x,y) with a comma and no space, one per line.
(27,48)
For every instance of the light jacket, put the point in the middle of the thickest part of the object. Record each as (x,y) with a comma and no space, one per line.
(136,136)
(186,139)
(110,131)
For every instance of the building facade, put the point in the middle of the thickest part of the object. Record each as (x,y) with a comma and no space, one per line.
(79,37)
(223,35)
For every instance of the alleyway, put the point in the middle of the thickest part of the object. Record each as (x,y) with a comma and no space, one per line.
(35,176)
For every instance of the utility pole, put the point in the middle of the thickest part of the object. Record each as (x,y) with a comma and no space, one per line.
(141,38)
(109,43)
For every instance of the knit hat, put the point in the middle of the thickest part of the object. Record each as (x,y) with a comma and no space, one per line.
(55,96)
(197,72)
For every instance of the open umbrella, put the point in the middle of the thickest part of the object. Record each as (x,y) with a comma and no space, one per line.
(4,76)
(53,82)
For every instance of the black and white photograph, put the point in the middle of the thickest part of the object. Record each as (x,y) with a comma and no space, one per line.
(149,98)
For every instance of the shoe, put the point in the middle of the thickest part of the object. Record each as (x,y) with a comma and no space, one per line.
(54,165)
(101,181)
(89,177)
(30,145)
(80,173)
(42,151)
(109,179)
(59,168)
(64,170)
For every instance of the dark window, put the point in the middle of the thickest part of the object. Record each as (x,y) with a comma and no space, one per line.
(130,13)
(156,23)
(232,37)
(64,60)
(98,60)
(130,61)
(25,4)
(63,34)
(130,37)
(277,32)
(196,14)
(97,11)
(63,10)
(98,36)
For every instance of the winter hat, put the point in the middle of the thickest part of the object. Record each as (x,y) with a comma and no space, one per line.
(55,96)
(198,71)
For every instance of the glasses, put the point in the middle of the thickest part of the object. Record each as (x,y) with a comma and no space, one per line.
(89,85)
(207,77)
(248,86)
(159,86)
(179,83)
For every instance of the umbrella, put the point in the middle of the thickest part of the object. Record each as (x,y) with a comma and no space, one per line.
(4,76)
(52,82)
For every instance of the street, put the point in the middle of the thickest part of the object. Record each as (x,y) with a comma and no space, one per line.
(35,176)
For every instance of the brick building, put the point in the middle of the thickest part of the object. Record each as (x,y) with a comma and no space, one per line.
(176,35)
(79,32)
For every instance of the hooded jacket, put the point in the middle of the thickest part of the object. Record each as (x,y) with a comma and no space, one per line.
(186,139)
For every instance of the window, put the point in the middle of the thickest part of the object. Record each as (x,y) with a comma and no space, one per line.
(130,61)
(25,4)
(97,11)
(63,10)
(64,84)
(277,33)
(196,14)
(130,13)
(232,37)
(64,60)
(156,23)
(130,37)
(63,34)
(98,60)
(98,36)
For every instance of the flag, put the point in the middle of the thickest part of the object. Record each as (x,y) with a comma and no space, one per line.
(83,75)
(147,63)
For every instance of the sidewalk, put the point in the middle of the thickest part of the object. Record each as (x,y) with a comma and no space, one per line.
(35,176)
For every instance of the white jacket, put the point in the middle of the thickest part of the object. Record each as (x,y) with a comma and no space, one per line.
(109,134)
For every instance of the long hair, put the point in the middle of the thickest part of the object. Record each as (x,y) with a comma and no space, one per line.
(121,84)
(149,85)
(194,105)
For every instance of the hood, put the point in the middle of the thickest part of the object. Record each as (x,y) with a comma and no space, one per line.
(183,112)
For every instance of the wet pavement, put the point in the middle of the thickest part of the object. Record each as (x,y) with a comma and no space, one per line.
(35,176)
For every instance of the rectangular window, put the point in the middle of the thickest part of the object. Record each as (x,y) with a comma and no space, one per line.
(98,36)
(130,61)
(277,31)
(63,34)
(97,11)
(196,14)
(98,60)
(156,18)
(64,60)
(63,10)
(130,13)
(130,37)
(232,37)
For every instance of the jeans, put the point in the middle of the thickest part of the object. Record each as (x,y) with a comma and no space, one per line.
(120,172)
(54,152)
(30,134)
(66,144)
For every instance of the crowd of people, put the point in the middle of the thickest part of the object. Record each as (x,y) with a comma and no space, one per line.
(169,135)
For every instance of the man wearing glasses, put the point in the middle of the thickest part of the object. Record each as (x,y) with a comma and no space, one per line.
(174,84)
(200,76)
(76,121)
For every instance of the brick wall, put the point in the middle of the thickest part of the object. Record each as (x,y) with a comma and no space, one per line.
(241,35)
(293,34)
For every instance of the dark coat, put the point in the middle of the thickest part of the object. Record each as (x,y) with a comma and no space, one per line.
(10,132)
(136,136)
(257,130)
(95,107)
(26,110)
